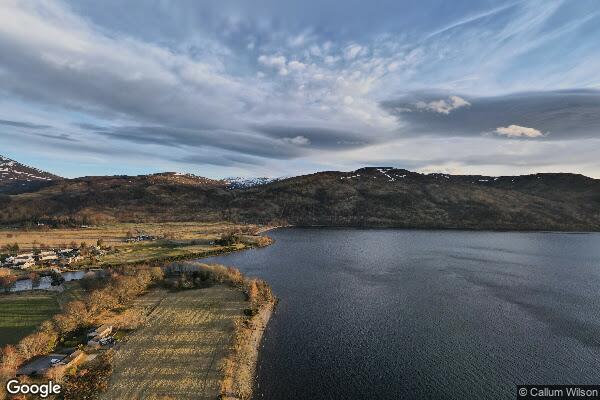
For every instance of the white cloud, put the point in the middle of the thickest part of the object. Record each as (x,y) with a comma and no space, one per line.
(443,106)
(297,140)
(352,51)
(272,61)
(393,66)
(518,131)
(296,66)
(315,50)
(297,40)
(329,60)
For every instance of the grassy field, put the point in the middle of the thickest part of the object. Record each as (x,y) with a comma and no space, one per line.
(22,313)
(115,234)
(179,351)
(163,250)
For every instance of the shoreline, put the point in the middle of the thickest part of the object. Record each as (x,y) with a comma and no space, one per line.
(270,228)
(240,365)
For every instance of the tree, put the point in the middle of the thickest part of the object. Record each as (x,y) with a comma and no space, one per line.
(7,281)
(77,310)
(101,300)
(75,315)
(37,343)
(11,359)
(11,249)
(65,324)
(35,279)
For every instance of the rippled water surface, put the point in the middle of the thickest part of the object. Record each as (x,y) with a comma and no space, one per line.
(393,314)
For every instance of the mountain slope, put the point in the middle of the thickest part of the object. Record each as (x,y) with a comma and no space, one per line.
(368,197)
(15,176)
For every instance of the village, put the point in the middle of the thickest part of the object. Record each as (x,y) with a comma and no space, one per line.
(60,257)
(54,258)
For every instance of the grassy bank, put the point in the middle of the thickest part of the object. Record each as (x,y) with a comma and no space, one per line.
(239,368)
(165,251)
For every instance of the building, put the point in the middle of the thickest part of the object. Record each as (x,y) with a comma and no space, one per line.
(46,256)
(22,261)
(56,257)
(73,359)
(96,335)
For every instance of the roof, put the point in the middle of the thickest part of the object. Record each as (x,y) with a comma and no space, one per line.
(74,356)
(103,327)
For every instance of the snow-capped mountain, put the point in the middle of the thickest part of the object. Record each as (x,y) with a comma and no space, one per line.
(13,172)
(243,183)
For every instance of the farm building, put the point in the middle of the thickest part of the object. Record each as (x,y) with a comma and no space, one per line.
(98,334)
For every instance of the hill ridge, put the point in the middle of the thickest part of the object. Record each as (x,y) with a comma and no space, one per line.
(366,197)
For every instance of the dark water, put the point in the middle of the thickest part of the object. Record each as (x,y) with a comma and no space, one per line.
(45,282)
(391,314)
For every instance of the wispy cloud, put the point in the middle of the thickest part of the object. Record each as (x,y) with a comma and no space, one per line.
(22,124)
(443,106)
(278,85)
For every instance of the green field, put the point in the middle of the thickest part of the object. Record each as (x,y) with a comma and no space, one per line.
(22,313)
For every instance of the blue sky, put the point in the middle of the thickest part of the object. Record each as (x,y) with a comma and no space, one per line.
(272,88)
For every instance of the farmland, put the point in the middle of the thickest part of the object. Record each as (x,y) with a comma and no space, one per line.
(114,234)
(22,313)
(163,250)
(181,347)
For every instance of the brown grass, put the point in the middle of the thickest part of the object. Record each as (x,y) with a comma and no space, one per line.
(115,234)
(178,351)
(239,368)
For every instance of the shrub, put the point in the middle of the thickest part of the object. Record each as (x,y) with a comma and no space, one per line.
(250,312)
(91,380)
(7,281)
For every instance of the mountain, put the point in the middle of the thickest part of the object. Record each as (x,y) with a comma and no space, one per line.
(368,197)
(244,183)
(179,178)
(15,176)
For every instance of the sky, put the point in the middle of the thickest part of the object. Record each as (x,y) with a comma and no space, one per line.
(279,88)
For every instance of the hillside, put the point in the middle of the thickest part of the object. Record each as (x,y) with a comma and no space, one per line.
(368,197)
(15,176)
